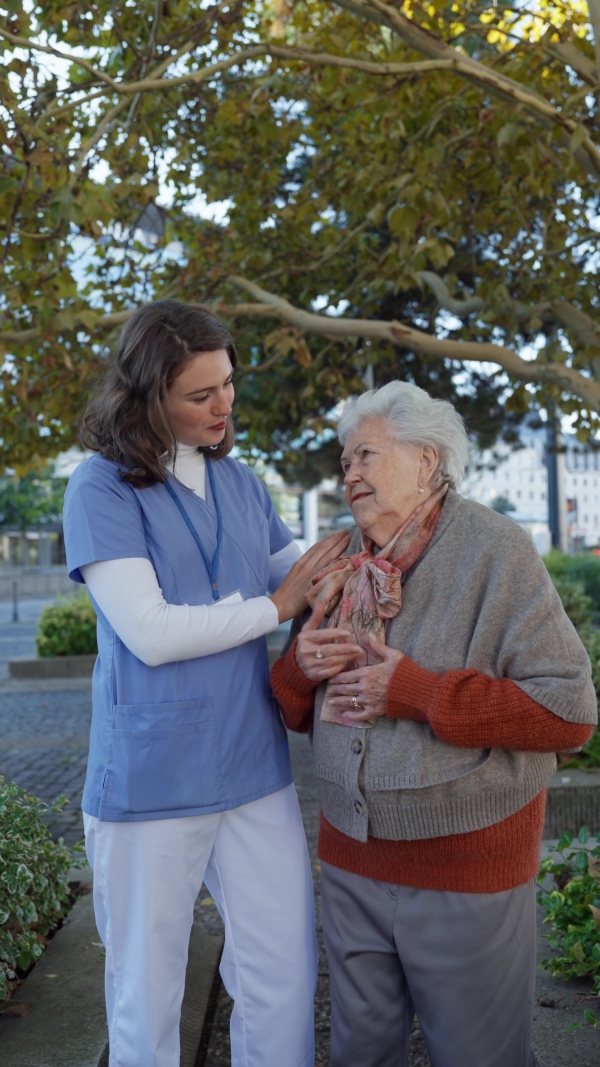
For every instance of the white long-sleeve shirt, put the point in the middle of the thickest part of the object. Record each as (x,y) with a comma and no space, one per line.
(129,596)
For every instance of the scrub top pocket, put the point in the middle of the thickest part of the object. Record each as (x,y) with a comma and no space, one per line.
(162,758)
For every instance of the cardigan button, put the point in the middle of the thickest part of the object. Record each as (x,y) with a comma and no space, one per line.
(357,746)
(358,807)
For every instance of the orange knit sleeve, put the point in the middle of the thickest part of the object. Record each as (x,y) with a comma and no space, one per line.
(295,692)
(471,710)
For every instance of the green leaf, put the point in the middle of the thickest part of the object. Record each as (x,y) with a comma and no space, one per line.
(581,862)
(578,952)
(584,835)
(508,133)
(577,137)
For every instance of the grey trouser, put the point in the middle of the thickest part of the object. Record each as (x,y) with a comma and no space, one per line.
(463,962)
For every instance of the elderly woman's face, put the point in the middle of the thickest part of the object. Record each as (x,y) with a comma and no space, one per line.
(382,476)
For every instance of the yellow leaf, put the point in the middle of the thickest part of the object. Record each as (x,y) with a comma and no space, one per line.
(303,356)
(596,913)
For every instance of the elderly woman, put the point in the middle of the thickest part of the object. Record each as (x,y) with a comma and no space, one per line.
(442,675)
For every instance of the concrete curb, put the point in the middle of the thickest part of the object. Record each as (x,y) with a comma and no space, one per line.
(44,685)
(67,1024)
(51,667)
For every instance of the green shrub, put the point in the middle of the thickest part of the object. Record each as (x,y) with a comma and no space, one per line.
(573,908)
(67,628)
(33,880)
(580,609)
(556,563)
(583,569)
(578,606)
(586,569)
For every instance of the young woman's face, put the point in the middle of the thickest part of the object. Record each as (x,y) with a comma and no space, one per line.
(200,399)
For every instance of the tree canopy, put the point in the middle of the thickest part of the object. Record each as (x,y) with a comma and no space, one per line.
(36,499)
(406,189)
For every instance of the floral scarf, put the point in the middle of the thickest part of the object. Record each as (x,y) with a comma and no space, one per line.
(364,590)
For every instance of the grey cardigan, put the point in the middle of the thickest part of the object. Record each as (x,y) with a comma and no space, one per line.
(479,597)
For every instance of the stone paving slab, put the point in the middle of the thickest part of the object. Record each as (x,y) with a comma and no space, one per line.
(43,748)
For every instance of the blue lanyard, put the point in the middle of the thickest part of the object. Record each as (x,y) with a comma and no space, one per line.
(212,567)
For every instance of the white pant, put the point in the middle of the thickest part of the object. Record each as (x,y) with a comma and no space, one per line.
(147,876)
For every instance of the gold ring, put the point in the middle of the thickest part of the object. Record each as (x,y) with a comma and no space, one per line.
(356,705)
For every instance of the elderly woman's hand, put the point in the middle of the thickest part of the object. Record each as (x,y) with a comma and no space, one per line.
(366,686)
(321,654)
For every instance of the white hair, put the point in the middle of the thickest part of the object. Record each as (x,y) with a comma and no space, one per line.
(416,419)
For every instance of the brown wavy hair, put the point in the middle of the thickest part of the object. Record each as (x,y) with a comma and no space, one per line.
(125,420)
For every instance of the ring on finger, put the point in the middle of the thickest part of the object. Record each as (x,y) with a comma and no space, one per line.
(319,655)
(356,705)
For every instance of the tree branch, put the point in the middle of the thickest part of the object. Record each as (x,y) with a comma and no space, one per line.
(78,61)
(572,318)
(566,314)
(594,13)
(576,60)
(269,305)
(460,307)
(422,40)
(396,333)
(23,337)
(442,56)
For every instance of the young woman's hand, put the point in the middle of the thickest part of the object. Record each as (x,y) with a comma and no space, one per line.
(289,598)
(322,654)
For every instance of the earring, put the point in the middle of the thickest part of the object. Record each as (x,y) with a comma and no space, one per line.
(421,487)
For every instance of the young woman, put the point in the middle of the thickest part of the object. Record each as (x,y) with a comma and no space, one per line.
(189,776)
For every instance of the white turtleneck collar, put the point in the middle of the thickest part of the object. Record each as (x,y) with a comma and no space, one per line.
(190,468)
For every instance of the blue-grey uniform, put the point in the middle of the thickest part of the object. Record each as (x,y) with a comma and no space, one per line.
(186,751)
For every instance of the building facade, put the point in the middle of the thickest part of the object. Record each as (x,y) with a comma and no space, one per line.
(520,475)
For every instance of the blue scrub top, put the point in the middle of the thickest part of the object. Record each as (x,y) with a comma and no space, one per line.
(201,735)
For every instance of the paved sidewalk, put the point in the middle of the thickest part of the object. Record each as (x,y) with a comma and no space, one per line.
(43,730)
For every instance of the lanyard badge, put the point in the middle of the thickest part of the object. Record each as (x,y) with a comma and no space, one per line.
(212,566)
